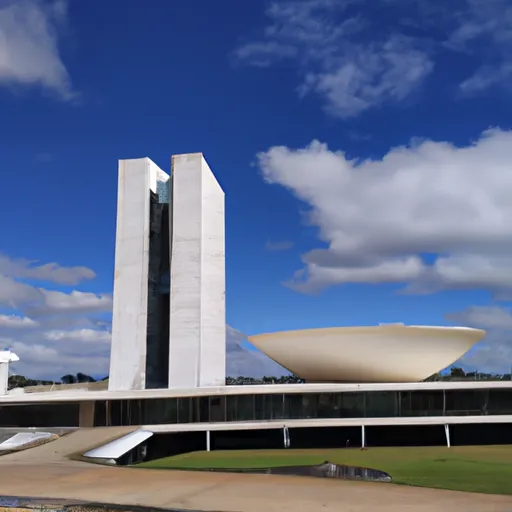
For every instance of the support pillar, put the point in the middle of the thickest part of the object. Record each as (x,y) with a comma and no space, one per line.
(208,445)
(363,437)
(447,434)
(86,414)
(286,437)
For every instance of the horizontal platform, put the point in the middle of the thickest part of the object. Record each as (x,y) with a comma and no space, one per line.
(330,422)
(81,396)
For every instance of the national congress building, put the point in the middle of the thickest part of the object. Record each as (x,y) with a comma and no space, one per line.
(168,353)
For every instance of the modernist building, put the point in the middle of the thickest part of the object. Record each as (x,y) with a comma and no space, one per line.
(169,321)
(169,333)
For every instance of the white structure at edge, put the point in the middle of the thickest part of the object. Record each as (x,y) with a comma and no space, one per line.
(197,336)
(6,357)
(386,353)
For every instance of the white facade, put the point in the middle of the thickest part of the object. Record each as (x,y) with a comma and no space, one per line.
(129,315)
(197,355)
(197,283)
(387,353)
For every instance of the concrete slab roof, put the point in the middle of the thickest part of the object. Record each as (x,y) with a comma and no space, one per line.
(269,389)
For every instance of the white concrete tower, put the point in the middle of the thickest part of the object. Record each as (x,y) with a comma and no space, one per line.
(137,179)
(169,316)
(197,350)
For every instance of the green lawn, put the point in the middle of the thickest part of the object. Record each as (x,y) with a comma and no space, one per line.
(485,469)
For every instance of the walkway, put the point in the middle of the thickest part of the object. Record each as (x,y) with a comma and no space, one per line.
(46,471)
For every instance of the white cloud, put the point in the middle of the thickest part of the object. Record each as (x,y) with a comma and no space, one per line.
(29,53)
(51,272)
(484,317)
(55,302)
(53,332)
(82,335)
(37,301)
(13,293)
(494,353)
(378,219)
(16,322)
(358,55)
(484,32)
(340,56)
(41,361)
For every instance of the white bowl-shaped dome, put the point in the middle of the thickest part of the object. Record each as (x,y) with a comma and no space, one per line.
(385,353)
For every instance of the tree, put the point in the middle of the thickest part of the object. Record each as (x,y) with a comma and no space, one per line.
(457,372)
(82,377)
(68,379)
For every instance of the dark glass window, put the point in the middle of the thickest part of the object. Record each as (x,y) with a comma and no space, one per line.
(240,408)
(185,410)
(217,409)
(40,415)
(420,403)
(465,402)
(328,406)
(352,405)
(381,404)
(160,410)
(499,401)
(293,406)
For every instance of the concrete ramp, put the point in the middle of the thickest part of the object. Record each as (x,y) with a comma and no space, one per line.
(23,440)
(120,446)
(67,447)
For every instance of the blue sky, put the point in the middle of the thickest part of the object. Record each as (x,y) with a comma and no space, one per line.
(364,148)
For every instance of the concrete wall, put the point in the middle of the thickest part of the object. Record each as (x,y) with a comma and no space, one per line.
(213,283)
(129,316)
(197,339)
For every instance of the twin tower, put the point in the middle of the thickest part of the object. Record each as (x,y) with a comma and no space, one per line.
(169,313)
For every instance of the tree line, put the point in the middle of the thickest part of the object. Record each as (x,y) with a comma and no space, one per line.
(20,381)
(455,374)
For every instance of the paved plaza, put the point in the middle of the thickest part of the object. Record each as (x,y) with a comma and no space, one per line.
(48,471)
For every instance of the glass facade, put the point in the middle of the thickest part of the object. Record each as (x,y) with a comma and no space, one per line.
(267,407)
(370,404)
(157,357)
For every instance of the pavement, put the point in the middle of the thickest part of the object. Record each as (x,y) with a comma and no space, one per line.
(47,472)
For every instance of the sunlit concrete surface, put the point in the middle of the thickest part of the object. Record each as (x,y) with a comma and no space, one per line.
(231,492)
(385,353)
(197,330)
(50,471)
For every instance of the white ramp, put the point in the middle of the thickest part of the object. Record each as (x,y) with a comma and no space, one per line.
(119,447)
(23,439)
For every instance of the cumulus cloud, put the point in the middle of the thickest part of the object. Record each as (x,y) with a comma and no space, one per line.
(430,216)
(44,361)
(55,302)
(29,51)
(83,335)
(16,322)
(357,55)
(13,293)
(485,317)
(17,293)
(494,353)
(50,272)
(53,331)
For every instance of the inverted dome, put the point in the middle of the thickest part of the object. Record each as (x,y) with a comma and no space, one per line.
(385,353)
